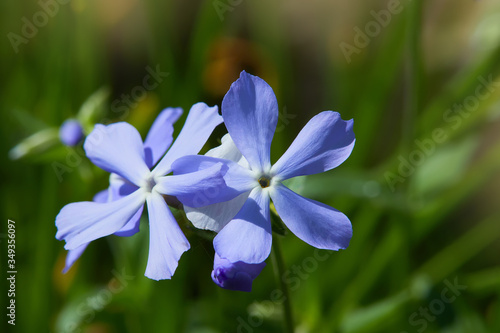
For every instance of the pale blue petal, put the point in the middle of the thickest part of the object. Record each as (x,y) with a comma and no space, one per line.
(215,217)
(101,196)
(82,222)
(73,256)
(197,189)
(226,150)
(166,241)
(247,237)
(236,177)
(199,124)
(323,144)
(118,148)
(160,137)
(132,226)
(315,223)
(119,187)
(250,112)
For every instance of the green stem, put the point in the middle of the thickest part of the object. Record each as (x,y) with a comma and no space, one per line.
(414,69)
(279,270)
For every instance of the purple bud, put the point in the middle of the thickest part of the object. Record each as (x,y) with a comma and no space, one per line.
(235,276)
(71,132)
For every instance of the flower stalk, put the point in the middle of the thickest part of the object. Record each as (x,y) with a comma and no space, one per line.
(279,271)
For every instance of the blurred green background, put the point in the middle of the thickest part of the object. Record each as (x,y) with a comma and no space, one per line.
(421,80)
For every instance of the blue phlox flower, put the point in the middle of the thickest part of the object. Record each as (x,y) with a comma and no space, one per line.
(71,132)
(157,140)
(250,112)
(235,276)
(135,181)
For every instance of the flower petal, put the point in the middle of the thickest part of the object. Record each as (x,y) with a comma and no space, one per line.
(82,222)
(235,276)
(101,196)
(197,189)
(247,237)
(235,176)
(215,217)
(166,241)
(199,124)
(160,137)
(250,112)
(119,187)
(323,144)
(118,148)
(132,226)
(315,223)
(228,150)
(73,256)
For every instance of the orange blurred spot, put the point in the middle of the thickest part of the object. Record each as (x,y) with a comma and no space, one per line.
(227,58)
(62,282)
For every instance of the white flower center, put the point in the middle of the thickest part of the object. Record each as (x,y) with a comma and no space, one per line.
(149,183)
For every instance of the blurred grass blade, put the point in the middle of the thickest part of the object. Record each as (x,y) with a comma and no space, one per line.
(369,318)
(35,144)
(362,283)
(482,171)
(485,281)
(458,88)
(28,122)
(414,71)
(462,250)
(92,110)
(443,168)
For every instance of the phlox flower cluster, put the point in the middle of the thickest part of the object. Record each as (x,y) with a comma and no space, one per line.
(228,190)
